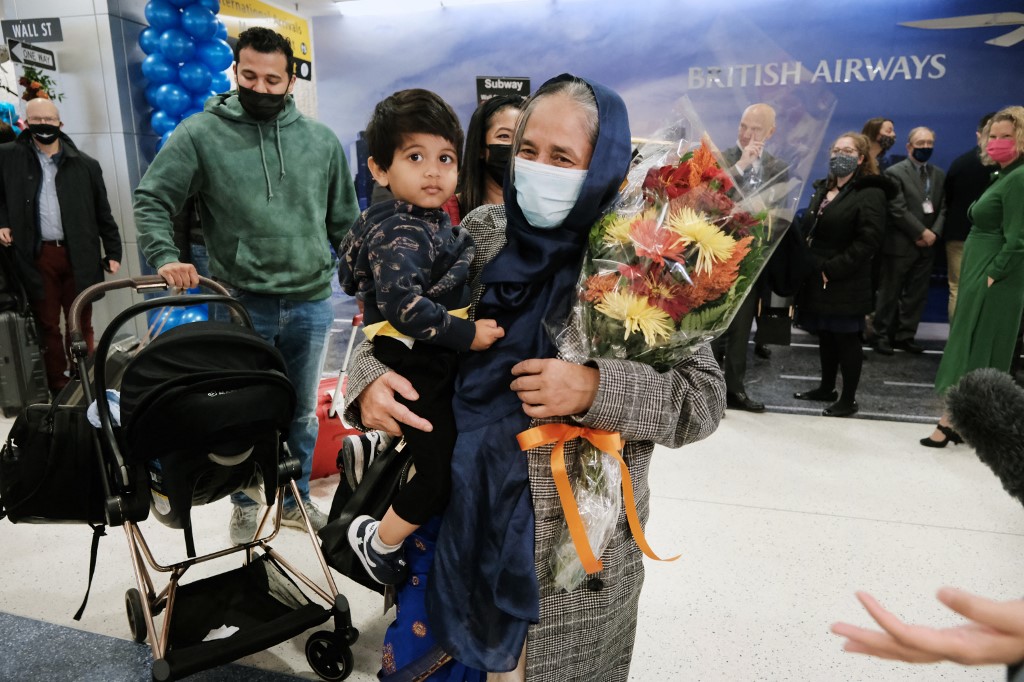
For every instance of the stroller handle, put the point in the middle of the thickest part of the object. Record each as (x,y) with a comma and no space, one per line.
(140,284)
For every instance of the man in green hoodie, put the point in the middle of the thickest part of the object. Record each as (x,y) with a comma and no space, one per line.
(274,194)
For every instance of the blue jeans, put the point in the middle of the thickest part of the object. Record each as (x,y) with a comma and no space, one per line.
(299,330)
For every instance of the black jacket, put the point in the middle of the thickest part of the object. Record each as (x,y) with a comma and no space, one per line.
(966,180)
(842,241)
(84,210)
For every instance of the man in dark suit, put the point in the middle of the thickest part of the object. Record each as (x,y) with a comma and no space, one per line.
(55,214)
(754,171)
(916,218)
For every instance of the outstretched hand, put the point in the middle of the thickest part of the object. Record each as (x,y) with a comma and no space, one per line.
(994,632)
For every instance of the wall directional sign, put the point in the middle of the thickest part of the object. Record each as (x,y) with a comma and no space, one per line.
(30,55)
(36,30)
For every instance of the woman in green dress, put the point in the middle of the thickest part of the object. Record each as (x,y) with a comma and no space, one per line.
(991,298)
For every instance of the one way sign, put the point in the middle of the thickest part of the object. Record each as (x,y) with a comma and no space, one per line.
(30,55)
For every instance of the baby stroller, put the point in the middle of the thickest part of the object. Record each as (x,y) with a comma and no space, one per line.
(204,412)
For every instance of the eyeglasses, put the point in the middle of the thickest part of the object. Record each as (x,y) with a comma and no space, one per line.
(847,151)
(52,120)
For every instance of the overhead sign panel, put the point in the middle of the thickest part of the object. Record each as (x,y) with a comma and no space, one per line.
(30,55)
(36,30)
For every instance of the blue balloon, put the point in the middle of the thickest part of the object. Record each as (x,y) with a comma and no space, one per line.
(177,45)
(163,139)
(151,96)
(199,22)
(222,31)
(216,54)
(220,82)
(162,15)
(181,3)
(173,98)
(212,5)
(200,99)
(162,122)
(158,70)
(193,313)
(195,76)
(189,111)
(149,40)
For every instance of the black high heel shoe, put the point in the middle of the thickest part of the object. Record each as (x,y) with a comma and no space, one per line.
(949,435)
(819,394)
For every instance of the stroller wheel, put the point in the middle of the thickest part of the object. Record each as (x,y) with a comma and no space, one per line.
(329,656)
(136,615)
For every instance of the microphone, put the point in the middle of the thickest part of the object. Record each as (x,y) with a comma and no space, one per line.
(987,409)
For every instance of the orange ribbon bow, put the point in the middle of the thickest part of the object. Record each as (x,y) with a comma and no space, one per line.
(606,441)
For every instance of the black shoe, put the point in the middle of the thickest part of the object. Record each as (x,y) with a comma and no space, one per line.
(841,408)
(741,401)
(762,351)
(909,346)
(948,435)
(818,394)
(883,347)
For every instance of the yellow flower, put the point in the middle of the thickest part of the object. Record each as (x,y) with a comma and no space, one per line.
(713,245)
(617,231)
(637,315)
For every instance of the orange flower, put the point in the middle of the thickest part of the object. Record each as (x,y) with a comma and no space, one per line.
(597,286)
(711,285)
(654,241)
(703,161)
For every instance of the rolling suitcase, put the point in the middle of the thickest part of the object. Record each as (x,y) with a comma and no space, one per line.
(333,429)
(22,375)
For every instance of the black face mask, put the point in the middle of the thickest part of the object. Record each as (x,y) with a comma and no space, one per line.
(922,154)
(498,156)
(260,105)
(886,142)
(45,133)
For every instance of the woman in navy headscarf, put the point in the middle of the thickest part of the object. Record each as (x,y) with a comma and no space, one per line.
(491,604)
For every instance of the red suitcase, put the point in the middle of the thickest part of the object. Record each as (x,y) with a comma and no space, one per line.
(328,412)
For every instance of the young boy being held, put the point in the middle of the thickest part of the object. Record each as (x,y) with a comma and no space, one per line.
(409,268)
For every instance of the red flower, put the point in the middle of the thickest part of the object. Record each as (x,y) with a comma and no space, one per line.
(663,292)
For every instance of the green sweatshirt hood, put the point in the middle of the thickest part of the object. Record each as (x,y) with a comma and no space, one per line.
(228,106)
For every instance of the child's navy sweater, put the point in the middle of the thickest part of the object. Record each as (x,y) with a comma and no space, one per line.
(410,266)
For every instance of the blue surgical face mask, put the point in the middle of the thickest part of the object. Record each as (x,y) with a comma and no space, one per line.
(546,194)
(922,154)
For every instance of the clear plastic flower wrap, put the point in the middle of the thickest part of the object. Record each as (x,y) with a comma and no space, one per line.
(669,265)
(599,500)
(666,270)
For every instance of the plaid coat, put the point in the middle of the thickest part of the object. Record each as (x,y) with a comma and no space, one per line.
(588,634)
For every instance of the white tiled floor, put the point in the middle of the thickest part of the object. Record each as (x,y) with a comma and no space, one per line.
(779,519)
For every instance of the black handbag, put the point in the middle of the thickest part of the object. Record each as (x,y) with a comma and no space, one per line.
(372,496)
(49,469)
(774,320)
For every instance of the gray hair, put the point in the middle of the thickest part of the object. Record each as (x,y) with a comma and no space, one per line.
(915,131)
(577,91)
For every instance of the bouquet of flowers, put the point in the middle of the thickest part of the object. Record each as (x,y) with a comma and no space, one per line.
(38,84)
(666,271)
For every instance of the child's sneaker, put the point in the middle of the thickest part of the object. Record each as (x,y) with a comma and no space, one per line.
(387,569)
(358,453)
